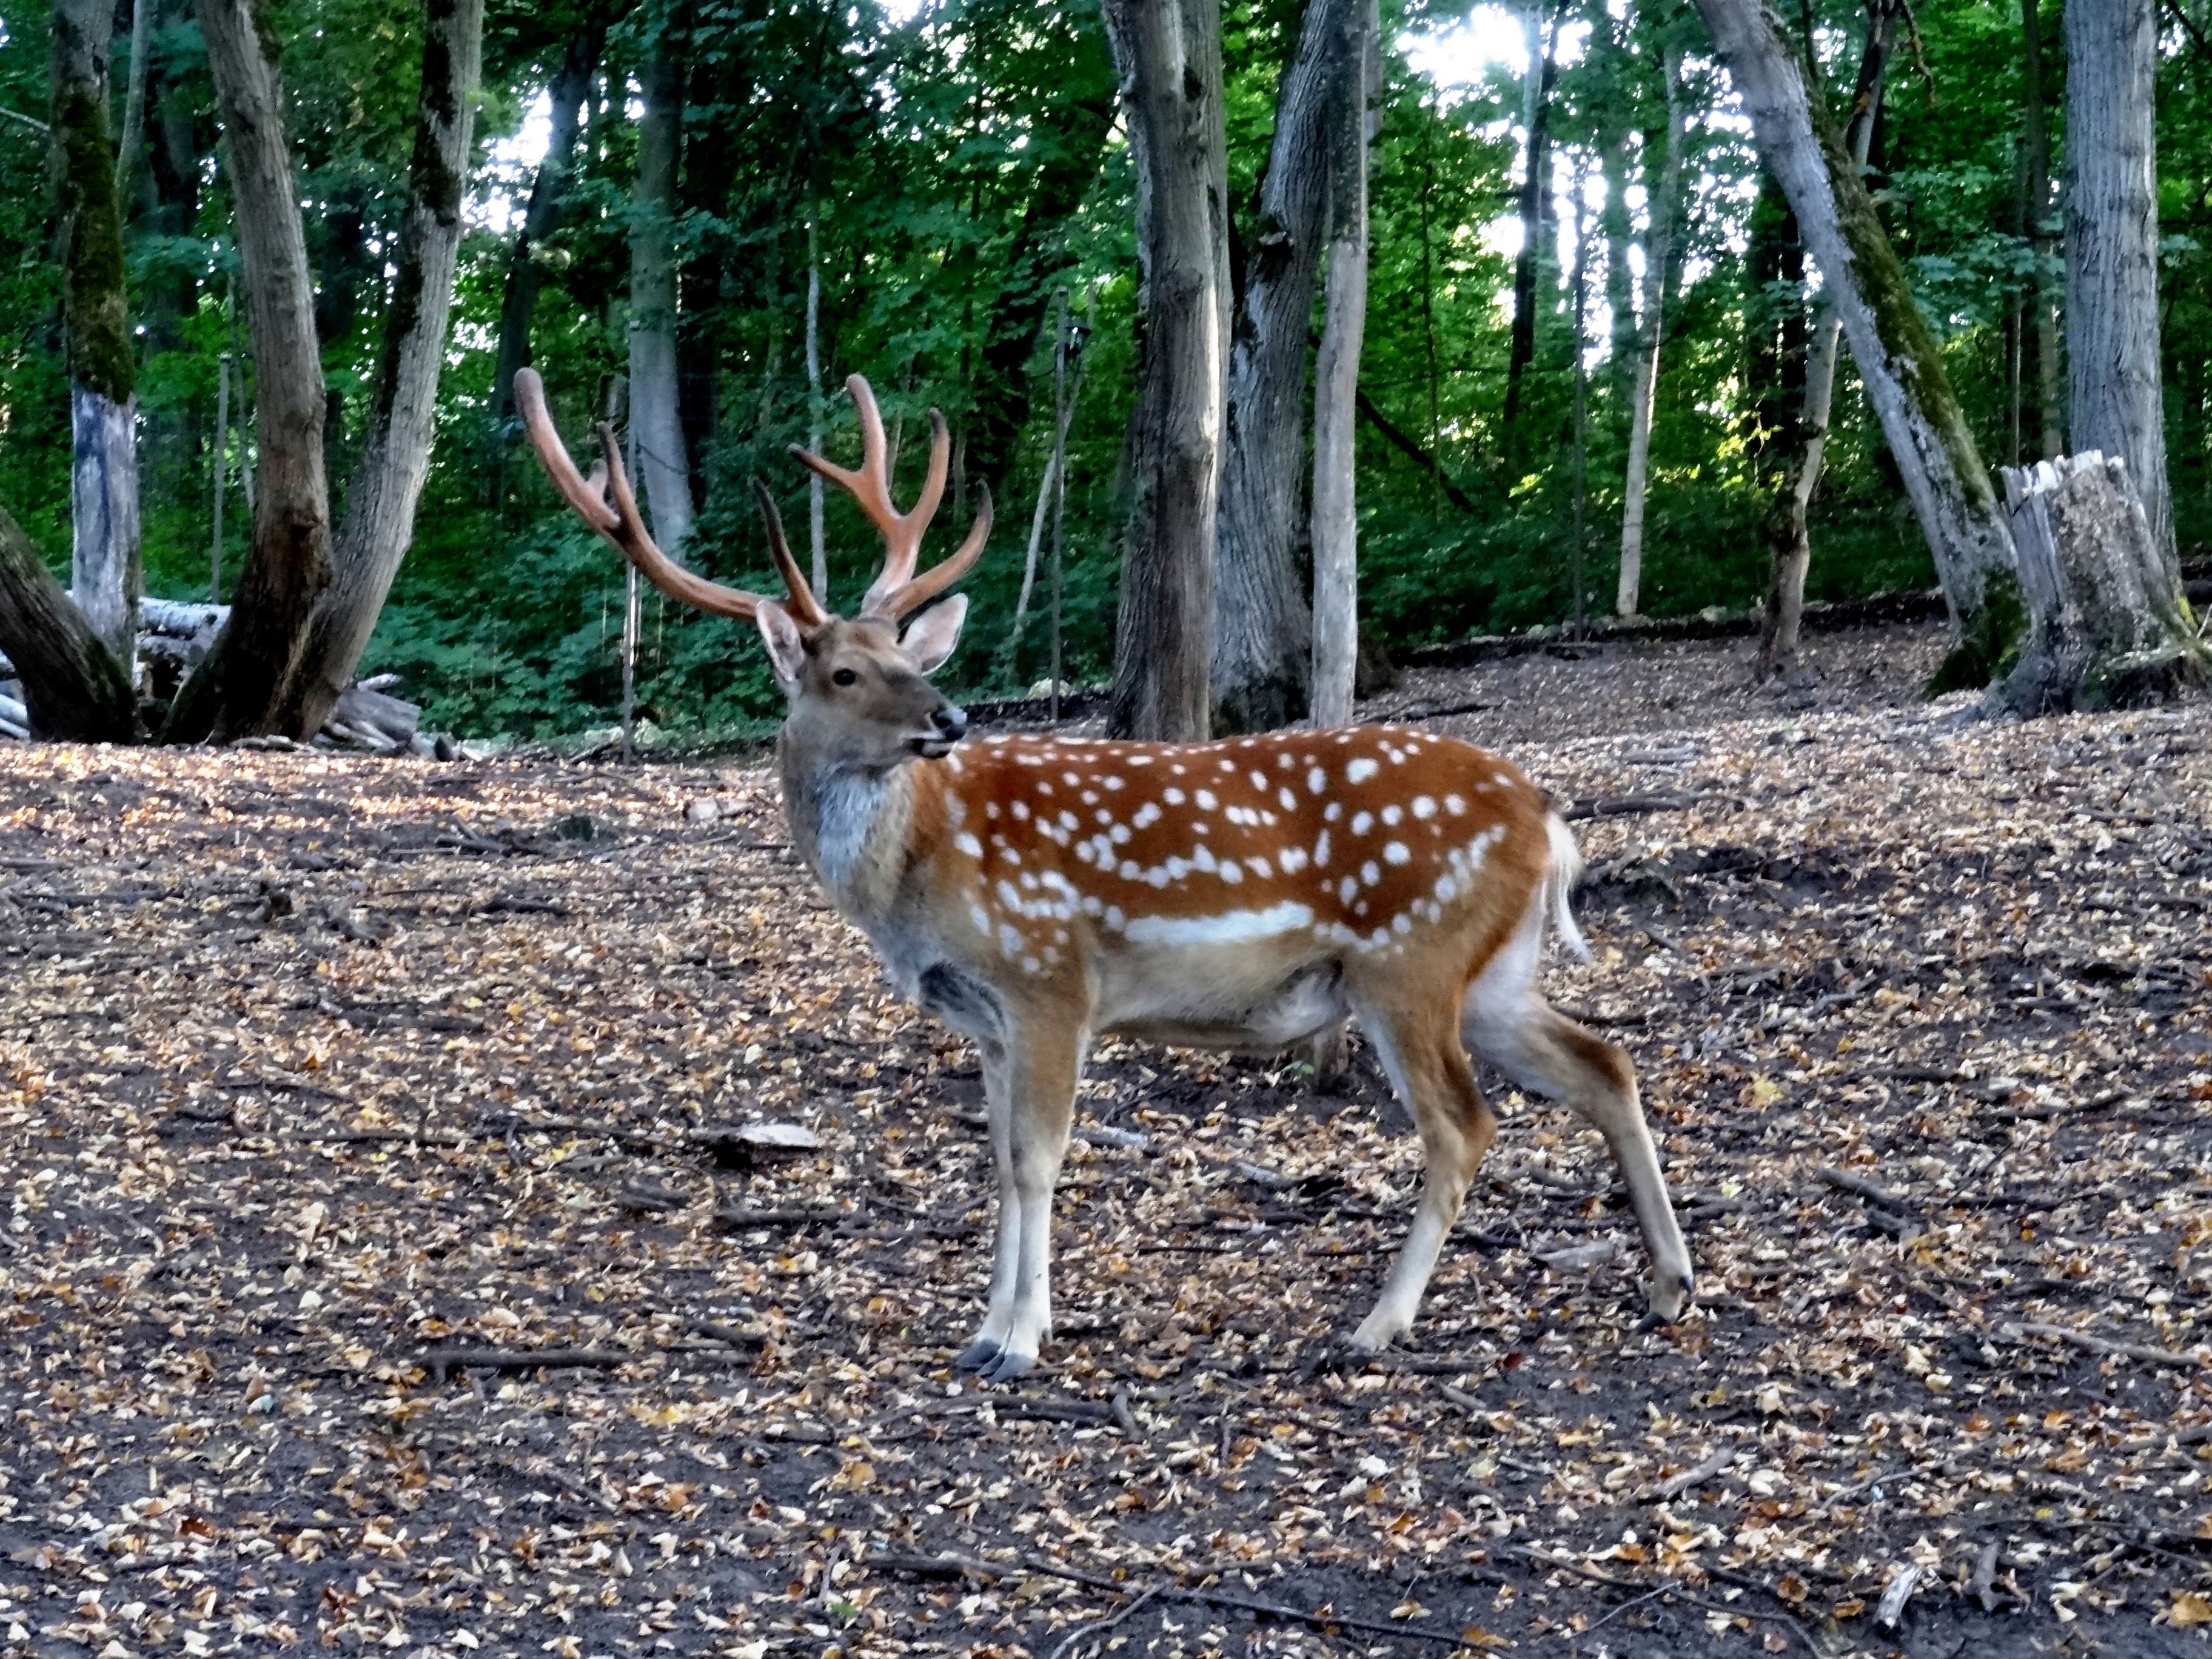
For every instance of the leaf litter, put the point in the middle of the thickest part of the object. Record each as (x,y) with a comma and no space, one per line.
(498,1207)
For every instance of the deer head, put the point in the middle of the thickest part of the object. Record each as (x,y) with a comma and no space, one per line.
(857,688)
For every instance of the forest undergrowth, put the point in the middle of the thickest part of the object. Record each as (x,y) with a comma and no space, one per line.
(321,1077)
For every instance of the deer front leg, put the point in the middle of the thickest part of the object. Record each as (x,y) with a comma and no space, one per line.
(1030,1091)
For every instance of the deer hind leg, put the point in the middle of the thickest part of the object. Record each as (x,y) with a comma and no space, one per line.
(1430,1071)
(1029,1084)
(1506,1022)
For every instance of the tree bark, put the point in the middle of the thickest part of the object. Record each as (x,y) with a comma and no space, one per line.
(549,194)
(134,99)
(387,481)
(654,413)
(1336,384)
(1262,630)
(1543,70)
(1070,145)
(1663,202)
(73,687)
(104,561)
(234,692)
(2109,628)
(1790,537)
(2112,359)
(1899,364)
(2036,137)
(1168,53)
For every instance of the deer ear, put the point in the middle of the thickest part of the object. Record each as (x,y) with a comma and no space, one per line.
(930,640)
(787,651)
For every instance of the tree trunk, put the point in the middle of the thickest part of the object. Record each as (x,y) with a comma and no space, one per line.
(1899,364)
(2036,135)
(2108,627)
(134,99)
(104,561)
(1336,384)
(1790,542)
(1663,202)
(1543,70)
(1262,631)
(1168,53)
(652,390)
(2115,398)
(1069,145)
(549,193)
(387,481)
(73,685)
(234,692)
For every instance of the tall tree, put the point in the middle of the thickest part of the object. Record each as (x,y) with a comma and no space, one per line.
(1336,382)
(549,193)
(1536,217)
(1662,192)
(656,421)
(104,561)
(2034,229)
(303,608)
(1899,361)
(1262,629)
(1169,55)
(2111,248)
(73,685)
(1789,531)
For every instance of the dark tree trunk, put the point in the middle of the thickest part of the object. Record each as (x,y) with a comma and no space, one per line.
(1899,364)
(2035,139)
(236,689)
(2112,358)
(549,193)
(656,420)
(303,608)
(1790,535)
(73,685)
(2108,626)
(1535,217)
(1169,56)
(104,563)
(344,269)
(1070,146)
(1262,629)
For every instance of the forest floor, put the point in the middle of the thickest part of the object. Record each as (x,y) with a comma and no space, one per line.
(316,1070)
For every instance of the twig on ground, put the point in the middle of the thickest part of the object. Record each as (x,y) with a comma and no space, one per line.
(441,1361)
(1675,1485)
(1859,1187)
(1100,1626)
(2014,1330)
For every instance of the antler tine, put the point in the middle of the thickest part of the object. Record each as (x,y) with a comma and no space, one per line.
(906,553)
(914,595)
(606,503)
(803,605)
(870,487)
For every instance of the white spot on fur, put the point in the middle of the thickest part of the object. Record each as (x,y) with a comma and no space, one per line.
(1317,779)
(1454,805)
(1362,823)
(1206,801)
(968,844)
(1258,867)
(1361,769)
(1424,806)
(1321,851)
(1292,859)
(1395,853)
(1393,813)
(1230,927)
(1371,872)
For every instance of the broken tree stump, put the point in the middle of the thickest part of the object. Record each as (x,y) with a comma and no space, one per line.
(2108,626)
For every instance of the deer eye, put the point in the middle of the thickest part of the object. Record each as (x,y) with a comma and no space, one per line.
(844,677)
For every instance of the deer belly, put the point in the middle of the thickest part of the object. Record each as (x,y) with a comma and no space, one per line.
(1258,1019)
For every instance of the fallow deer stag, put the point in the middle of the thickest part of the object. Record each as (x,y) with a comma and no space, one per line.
(1036,891)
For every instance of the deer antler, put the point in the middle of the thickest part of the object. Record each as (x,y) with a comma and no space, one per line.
(605,502)
(898,590)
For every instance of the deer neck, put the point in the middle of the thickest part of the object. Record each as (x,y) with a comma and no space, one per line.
(849,822)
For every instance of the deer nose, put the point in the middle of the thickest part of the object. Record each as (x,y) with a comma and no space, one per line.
(950,721)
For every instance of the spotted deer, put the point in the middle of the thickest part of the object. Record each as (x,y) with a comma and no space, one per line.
(1037,891)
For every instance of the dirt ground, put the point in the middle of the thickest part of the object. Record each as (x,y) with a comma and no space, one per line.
(316,1072)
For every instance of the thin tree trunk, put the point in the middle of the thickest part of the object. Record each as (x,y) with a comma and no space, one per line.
(821,570)
(134,99)
(1791,553)
(2036,133)
(1168,53)
(1336,385)
(662,454)
(1662,204)
(1262,630)
(1543,70)
(2115,397)
(1899,364)
(549,193)
(387,481)
(104,559)
(73,686)
(1069,143)
(1581,550)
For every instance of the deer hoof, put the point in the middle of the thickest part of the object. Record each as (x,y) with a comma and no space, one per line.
(1670,1300)
(977,1355)
(1006,1367)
